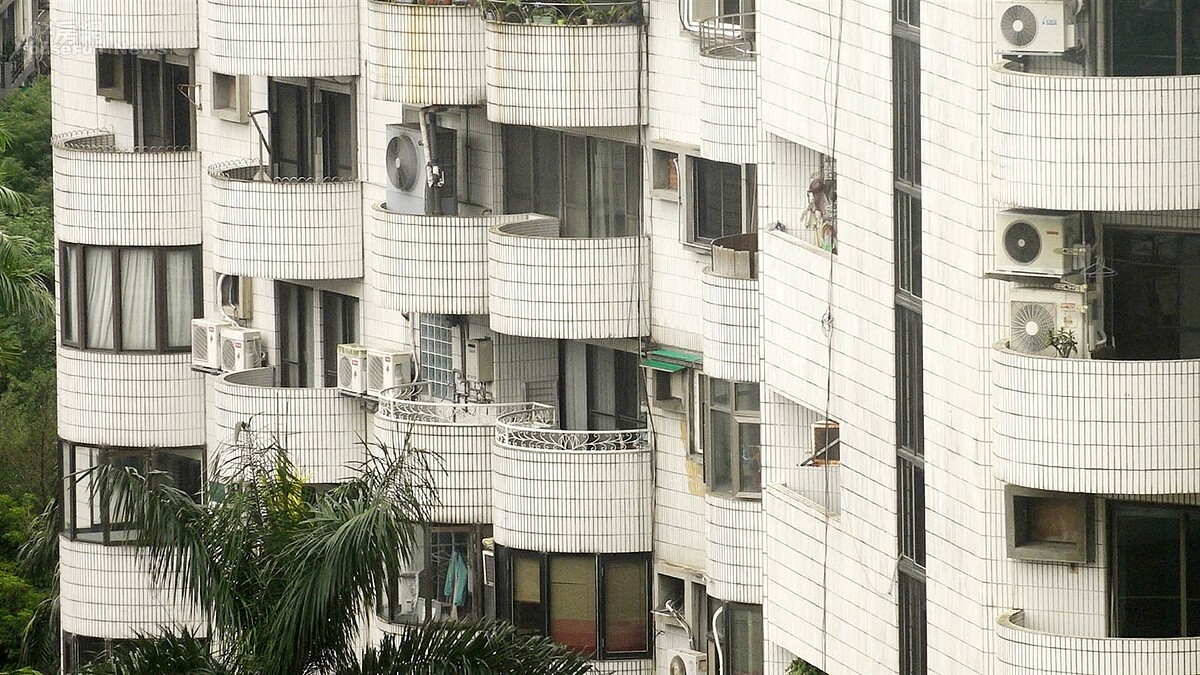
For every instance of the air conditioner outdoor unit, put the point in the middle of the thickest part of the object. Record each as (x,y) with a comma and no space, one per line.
(1035,26)
(387,368)
(1034,312)
(351,367)
(421,180)
(687,662)
(1036,243)
(241,349)
(206,342)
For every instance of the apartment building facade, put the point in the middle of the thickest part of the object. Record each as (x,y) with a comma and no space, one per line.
(746,334)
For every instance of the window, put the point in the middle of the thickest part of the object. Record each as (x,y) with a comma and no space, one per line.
(162,112)
(1154,571)
(293,316)
(695,11)
(910,387)
(598,605)
(313,126)
(129,299)
(437,356)
(722,200)
(593,185)
(740,631)
(80,650)
(1047,526)
(914,640)
(599,387)
(732,449)
(87,514)
(910,488)
(444,581)
(339,325)
(1153,296)
(1154,37)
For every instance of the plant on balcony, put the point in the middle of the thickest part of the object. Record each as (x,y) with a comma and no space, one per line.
(802,667)
(568,13)
(1064,342)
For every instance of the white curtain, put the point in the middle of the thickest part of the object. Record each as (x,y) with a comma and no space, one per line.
(180,298)
(99,268)
(137,299)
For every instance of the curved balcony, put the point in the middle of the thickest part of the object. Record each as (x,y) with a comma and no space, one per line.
(729,88)
(298,38)
(436,264)
(1086,425)
(550,67)
(1021,649)
(285,228)
(321,430)
(129,24)
(1090,144)
(795,293)
(135,400)
(425,54)
(734,531)
(105,195)
(107,592)
(459,435)
(543,285)
(569,491)
(731,309)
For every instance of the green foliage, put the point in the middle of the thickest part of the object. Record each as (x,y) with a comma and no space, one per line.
(802,667)
(25,116)
(28,434)
(20,594)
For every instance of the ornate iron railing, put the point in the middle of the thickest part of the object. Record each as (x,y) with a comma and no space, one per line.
(729,36)
(536,429)
(445,413)
(569,13)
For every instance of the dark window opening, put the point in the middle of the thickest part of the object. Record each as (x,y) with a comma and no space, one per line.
(339,325)
(1153,299)
(312,130)
(293,316)
(1154,575)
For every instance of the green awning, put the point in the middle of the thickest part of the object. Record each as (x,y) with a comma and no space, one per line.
(673,355)
(655,364)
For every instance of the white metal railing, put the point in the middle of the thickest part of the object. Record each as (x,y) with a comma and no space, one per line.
(536,429)
(729,36)
(401,405)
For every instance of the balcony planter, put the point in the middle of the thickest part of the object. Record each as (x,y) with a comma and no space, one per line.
(576,67)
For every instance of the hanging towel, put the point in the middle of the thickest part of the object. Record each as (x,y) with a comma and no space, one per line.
(455,588)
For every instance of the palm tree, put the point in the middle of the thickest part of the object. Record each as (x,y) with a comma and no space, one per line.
(284,578)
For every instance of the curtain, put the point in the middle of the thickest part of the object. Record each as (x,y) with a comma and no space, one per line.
(626,606)
(181,298)
(98,264)
(573,602)
(137,299)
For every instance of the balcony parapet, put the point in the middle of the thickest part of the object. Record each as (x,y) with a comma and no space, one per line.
(1021,650)
(129,24)
(731,316)
(140,196)
(424,55)
(569,491)
(435,264)
(285,228)
(1075,143)
(1091,425)
(549,67)
(298,38)
(320,429)
(734,531)
(544,285)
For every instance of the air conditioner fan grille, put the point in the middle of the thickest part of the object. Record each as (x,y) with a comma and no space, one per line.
(1019,25)
(1022,242)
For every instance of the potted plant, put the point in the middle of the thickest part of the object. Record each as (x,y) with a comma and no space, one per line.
(1064,342)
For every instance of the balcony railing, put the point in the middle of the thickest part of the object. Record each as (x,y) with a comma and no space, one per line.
(535,428)
(627,12)
(729,36)
(1021,649)
(401,404)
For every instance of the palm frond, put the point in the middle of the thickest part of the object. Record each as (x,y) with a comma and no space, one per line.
(22,289)
(175,652)
(450,648)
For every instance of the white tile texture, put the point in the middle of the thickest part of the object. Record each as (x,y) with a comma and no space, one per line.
(425,54)
(131,24)
(729,109)
(731,319)
(284,38)
(735,549)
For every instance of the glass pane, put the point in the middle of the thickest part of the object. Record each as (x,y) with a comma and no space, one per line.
(750,447)
(68,303)
(746,396)
(528,612)
(150,98)
(1146,570)
(575,189)
(718,391)
(181,296)
(573,602)
(137,300)
(547,172)
(184,470)
(745,639)
(626,606)
(718,459)
(98,268)
(338,134)
(1192,573)
(289,131)
(518,170)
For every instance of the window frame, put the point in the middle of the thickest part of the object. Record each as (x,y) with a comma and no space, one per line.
(1183,513)
(739,418)
(748,211)
(294,313)
(442,381)
(726,626)
(426,584)
(340,315)
(73,296)
(690,18)
(313,141)
(70,479)
(505,558)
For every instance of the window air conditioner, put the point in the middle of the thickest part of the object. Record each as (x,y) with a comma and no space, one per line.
(1035,26)
(1034,312)
(826,440)
(419,181)
(1036,243)
(206,343)
(241,349)
(351,362)
(387,368)
(687,662)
